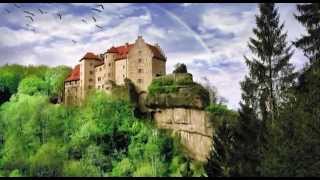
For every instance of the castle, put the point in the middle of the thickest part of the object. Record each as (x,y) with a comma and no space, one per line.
(140,62)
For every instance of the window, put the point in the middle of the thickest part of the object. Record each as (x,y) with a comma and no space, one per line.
(139,51)
(98,87)
(109,74)
(99,78)
(90,80)
(123,67)
(89,87)
(91,64)
(140,70)
(140,60)
(107,88)
(91,72)
(100,69)
(123,75)
(139,80)
(109,64)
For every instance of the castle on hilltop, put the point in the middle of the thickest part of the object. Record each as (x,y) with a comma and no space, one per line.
(140,62)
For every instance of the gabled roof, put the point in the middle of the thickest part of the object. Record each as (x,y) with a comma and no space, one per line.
(75,74)
(90,56)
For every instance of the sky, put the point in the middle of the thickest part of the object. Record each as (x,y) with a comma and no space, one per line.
(211,39)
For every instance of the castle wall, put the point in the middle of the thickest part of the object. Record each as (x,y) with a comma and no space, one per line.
(158,67)
(121,71)
(72,92)
(109,66)
(140,65)
(100,77)
(87,76)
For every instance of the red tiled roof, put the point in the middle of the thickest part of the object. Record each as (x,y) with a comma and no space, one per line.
(75,74)
(90,56)
(122,51)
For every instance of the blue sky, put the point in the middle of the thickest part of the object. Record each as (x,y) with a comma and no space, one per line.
(210,38)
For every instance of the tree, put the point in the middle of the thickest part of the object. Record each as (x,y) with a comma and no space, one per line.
(33,85)
(270,69)
(310,43)
(180,68)
(248,133)
(221,159)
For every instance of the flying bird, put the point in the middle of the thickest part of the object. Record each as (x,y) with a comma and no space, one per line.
(74,41)
(84,21)
(29,13)
(29,17)
(95,9)
(16,5)
(94,19)
(100,5)
(99,27)
(59,15)
(7,11)
(42,12)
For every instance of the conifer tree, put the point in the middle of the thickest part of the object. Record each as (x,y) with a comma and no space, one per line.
(264,91)
(247,136)
(269,67)
(309,17)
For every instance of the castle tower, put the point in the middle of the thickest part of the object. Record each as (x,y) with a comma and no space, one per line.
(87,73)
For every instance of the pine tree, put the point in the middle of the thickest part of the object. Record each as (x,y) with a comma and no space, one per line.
(310,18)
(247,136)
(269,68)
(220,160)
(264,91)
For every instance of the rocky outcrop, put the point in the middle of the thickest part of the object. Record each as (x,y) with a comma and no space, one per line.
(191,125)
(177,103)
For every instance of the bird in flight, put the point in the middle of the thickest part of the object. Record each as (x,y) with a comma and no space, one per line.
(101,6)
(16,5)
(95,9)
(99,26)
(83,20)
(42,12)
(74,42)
(7,10)
(29,18)
(29,13)
(59,15)
(94,19)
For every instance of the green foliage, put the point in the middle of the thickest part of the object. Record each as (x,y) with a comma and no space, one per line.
(219,113)
(48,81)
(33,85)
(15,173)
(48,160)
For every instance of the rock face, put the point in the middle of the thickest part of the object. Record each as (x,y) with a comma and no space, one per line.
(191,125)
(177,103)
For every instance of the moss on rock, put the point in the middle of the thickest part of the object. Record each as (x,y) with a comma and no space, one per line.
(176,90)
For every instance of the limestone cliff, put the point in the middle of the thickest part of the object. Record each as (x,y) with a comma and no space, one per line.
(177,103)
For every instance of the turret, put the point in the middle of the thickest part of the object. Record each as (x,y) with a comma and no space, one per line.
(87,72)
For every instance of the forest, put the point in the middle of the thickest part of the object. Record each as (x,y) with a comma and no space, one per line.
(275,132)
